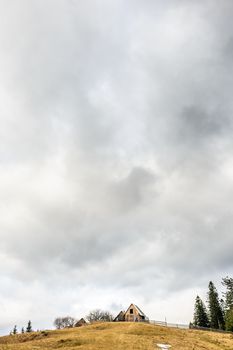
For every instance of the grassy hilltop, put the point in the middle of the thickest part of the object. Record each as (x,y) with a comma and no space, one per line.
(117,336)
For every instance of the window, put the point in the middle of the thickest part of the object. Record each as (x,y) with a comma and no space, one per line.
(131,311)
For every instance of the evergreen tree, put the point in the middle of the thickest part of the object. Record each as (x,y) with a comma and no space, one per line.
(29,327)
(228,283)
(200,317)
(229,320)
(22,330)
(215,310)
(222,305)
(15,330)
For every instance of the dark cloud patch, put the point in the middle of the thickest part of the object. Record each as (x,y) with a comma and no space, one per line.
(128,193)
(197,124)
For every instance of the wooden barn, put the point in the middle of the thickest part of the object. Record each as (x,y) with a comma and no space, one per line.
(120,317)
(132,314)
(80,323)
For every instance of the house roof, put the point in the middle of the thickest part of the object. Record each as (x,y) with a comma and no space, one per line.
(121,313)
(141,313)
(81,321)
(138,310)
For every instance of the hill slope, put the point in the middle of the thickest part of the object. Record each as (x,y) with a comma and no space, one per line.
(116,336)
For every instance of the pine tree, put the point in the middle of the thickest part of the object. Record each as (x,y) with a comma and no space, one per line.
(22,330)
(29,327)
(200,318)
(15,330)
(229,320)
(228,283)
(215,310)
(228,307)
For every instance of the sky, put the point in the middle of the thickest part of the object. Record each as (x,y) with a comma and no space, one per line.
(116,156)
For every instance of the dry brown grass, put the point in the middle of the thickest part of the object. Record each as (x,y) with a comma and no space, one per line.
(116,336)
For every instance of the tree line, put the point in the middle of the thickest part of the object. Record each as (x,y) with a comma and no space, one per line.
(218,314)
(93,316)
(28,329)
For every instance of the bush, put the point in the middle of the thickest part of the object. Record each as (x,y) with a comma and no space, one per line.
(64,322)
(99,315)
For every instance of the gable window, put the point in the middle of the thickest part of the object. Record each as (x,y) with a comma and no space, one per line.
(131,311)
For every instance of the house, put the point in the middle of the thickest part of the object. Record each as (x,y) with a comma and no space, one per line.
(120,317)
(80,323)
(132,314)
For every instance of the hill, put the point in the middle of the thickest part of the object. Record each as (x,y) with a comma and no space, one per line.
(116,336)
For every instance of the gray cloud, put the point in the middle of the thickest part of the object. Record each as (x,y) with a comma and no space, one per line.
(115,157)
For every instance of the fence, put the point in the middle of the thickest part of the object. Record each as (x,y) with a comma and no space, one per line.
(186,326)
(210,329)
(167,324)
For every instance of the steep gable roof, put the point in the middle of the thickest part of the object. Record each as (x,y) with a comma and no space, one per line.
(141,313)
(138,310)
(121,316)
(80,322)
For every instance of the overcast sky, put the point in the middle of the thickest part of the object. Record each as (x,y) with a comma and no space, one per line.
(116,156)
